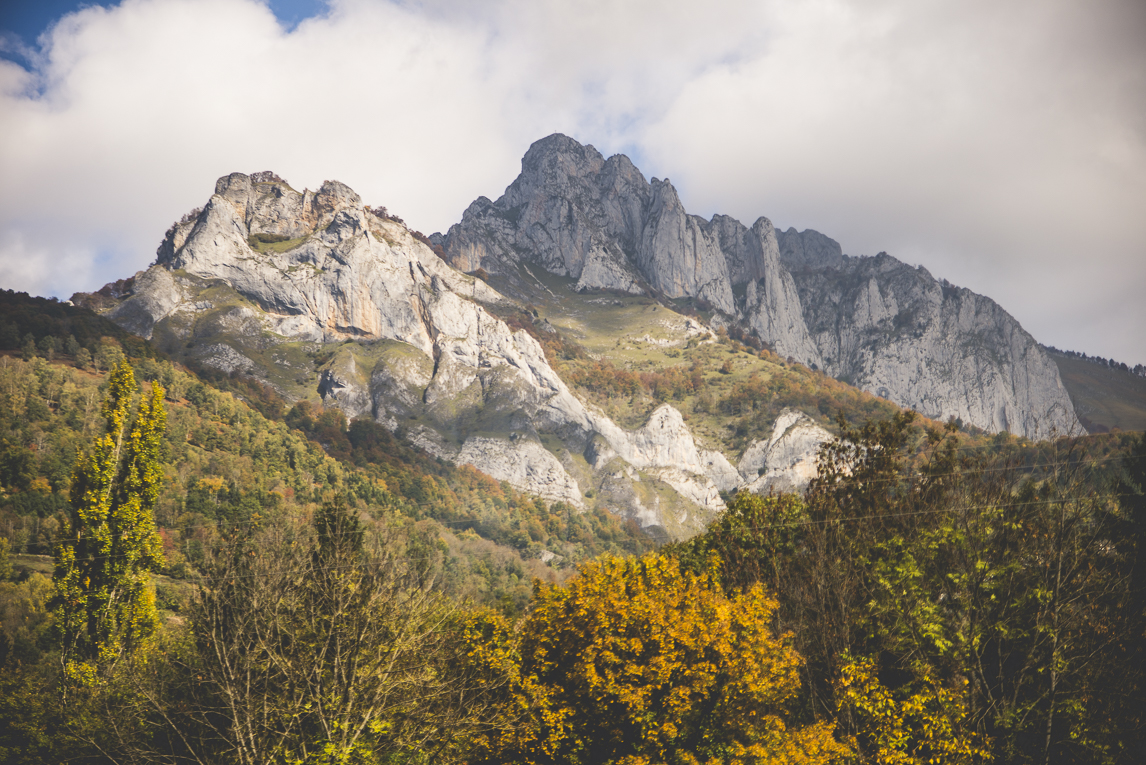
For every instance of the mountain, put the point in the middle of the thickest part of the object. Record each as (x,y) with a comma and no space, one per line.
(942,350)
(583,338)
(884,326)
(316,292)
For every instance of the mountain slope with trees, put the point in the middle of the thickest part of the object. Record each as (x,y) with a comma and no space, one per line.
(1107,394)
(934,595)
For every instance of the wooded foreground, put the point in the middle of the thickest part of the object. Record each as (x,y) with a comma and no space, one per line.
(915,605)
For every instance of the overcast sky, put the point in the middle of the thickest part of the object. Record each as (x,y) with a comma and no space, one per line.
(1000,145)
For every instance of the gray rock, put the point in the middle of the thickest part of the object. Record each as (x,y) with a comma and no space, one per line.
(599,221)
(876,323)
(678,256)
(772,303)
(787,460)
(159,294)
(720,471)
(524,463)
(342,384)
(896,331)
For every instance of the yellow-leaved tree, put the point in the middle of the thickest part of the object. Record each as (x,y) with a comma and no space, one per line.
(637,662)
(103,604)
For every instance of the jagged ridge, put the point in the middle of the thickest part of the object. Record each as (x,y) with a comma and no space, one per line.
(263,270)
(886,327)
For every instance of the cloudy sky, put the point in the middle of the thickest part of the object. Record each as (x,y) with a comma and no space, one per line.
(1001,145)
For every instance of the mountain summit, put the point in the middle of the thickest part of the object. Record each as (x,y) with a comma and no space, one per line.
(875,322)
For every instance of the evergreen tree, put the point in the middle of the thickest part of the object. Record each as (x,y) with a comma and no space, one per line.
(103,605)
(28,350)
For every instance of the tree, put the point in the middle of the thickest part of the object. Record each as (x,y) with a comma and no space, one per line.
(322,645)
(638,662)
(103,604)
(83,358)
(923,722)
(28,349)
(748,543)
(948,605)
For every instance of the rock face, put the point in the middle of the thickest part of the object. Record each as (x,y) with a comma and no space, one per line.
(599,221)
(264,279)
(787,460)
(896,331)
(886,327)
(318,294)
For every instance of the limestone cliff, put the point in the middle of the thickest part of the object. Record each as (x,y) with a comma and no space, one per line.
(787,460)
(598,220)
(945,351)
(875,322)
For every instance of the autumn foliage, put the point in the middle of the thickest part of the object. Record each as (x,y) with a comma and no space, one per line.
(638,662)
(605,379)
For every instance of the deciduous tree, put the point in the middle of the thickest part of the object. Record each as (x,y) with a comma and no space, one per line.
(636,661)
(103,603)
(323,646)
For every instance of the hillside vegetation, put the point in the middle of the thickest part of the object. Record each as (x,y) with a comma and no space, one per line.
(1105,397)
(227,461)
(323,592)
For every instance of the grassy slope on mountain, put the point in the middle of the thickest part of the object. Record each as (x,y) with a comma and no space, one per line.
(1104,398)
(628,354)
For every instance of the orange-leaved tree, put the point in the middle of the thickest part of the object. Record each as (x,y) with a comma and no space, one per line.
(636,662)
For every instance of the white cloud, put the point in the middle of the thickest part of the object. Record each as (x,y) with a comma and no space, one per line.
(999,144)
(138,109)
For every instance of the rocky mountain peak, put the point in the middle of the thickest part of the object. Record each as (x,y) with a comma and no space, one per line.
(263,271)
(558,156)
(885,327)
(263,205)
(271,281)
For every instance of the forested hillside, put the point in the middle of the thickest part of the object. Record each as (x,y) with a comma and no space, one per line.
(320,591)
(234,448)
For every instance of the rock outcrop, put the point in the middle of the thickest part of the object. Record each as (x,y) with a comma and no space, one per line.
(265,279)
(875,322)
(787,460)
(896,331)
(597,220)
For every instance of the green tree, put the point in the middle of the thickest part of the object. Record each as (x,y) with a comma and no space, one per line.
(28,349)
(326,645)
(103,604)
(949,606)
(5,560)
(83,358)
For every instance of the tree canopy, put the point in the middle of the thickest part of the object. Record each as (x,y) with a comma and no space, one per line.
(635,661)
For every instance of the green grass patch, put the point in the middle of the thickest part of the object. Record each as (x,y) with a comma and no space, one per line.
(265,243)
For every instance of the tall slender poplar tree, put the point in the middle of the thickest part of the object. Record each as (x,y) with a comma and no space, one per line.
(103,605)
